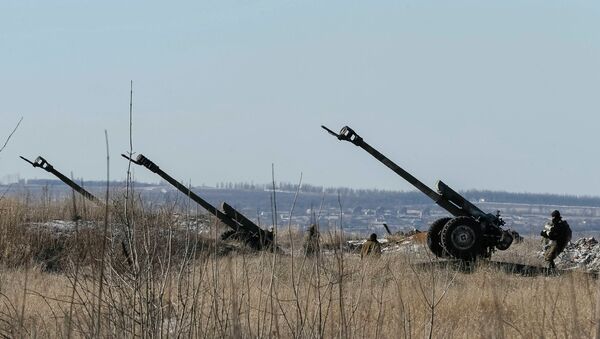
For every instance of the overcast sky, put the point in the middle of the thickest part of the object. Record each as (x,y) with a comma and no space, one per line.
(501,95)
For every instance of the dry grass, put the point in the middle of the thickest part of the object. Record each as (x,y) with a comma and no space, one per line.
(177,285)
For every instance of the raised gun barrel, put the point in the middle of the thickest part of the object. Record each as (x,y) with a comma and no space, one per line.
(455,208)
(45,165)
(470,233)
(255,236)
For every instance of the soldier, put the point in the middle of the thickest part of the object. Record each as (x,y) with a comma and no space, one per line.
(558,233)
(371,247)
(311,242)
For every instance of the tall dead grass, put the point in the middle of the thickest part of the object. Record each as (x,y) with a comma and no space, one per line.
(174,282)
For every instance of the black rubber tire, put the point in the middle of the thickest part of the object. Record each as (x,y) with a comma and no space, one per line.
(508,240)
(434,237)
(462,238)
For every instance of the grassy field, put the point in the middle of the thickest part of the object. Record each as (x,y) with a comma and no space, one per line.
(152,279)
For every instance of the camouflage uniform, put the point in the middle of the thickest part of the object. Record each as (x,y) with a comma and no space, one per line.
(557,234)
(311,242)
(371,247)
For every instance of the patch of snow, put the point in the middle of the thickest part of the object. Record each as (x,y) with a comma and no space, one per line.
(582,254)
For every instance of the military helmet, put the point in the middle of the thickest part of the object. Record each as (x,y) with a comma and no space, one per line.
(555,214)
(373,237)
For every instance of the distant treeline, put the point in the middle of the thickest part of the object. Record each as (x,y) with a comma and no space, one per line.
(90,183)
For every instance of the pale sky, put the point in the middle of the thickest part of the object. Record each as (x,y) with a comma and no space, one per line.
(499,95)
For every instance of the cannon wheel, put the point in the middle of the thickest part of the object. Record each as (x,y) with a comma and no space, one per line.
(433,237)
(462,238)
(505,241)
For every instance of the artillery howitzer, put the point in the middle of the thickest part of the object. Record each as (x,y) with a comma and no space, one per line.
(469,234)
(45,165)
(242,228)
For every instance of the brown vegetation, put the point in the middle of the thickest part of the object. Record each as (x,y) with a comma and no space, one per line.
(175,282)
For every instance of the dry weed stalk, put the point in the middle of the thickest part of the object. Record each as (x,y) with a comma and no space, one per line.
(10,135)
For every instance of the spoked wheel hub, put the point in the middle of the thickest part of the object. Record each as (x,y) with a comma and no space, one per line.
(463,237)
